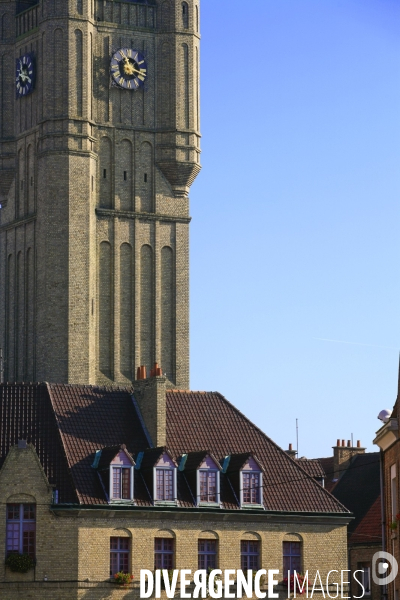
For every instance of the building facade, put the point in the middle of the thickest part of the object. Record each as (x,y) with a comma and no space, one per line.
(388,440)
(99,143)
(101,488)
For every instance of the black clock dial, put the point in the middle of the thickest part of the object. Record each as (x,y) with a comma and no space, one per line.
(25,75)
(128,69)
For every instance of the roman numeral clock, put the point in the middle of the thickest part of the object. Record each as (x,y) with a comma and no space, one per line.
(128,69)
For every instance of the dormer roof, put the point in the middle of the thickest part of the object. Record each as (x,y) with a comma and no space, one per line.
(237,462)
(105,456)
(150,457)
(191,461)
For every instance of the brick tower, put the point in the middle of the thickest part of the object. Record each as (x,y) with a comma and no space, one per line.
(99,143)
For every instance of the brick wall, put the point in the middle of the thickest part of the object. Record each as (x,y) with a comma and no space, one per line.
(73,546)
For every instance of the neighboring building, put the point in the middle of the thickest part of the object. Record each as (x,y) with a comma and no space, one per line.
(387,438)
(353,477)
(99,144)
(151,477)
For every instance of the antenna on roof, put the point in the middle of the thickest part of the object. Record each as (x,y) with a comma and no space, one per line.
(297,437)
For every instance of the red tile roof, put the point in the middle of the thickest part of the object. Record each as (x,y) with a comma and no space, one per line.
(198,420)
(67,424)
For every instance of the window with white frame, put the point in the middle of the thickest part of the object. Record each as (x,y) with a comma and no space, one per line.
(208,485)
(119,555)
(251,487)
(165,484)
(121,477)
(365,577)
(21,529)
(122,483)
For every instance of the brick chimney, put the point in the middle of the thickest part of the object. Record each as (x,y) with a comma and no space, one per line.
(342,455)
(291,452)
(150,394)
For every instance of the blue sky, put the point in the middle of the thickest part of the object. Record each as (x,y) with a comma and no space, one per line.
(296,216)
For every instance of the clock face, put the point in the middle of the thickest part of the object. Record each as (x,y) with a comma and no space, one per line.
(25,75)
(128,69)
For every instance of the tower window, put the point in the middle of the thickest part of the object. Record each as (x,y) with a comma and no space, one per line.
(185,15)
(104,173)
(125,175)
(145,177)
(31,180)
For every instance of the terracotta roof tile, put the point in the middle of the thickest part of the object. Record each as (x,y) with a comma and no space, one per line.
(207,420)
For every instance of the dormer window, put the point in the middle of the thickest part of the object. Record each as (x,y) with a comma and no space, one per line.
(122,488)
(208,486)
(115,469)
(165,479)
(251,488)
(165,484)
(208,481)
(251,483)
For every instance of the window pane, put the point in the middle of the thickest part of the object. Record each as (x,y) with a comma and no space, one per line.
(21,528)
(126,484)
(119,555)
(207,554)
(292,557)
(116,485)
(163,553)
(29,512)
(12,511)
(12,537)
(168,485)
(249,555)
(164,481)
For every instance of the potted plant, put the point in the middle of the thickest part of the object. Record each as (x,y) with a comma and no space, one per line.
(393,525)
(20,563)
(122,578)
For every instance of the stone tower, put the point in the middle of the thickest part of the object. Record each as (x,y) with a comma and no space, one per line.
(99,143)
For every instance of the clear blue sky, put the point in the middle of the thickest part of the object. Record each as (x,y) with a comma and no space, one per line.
(296,215)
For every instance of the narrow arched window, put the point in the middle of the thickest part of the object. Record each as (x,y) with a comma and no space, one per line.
(185,15)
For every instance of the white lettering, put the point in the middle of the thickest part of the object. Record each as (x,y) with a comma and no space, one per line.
(145,574)
(359,582)
(200,580)
(228,582)
(334,584)
(271,583)
(318,589)
(342,582)
(213,583)
(244,584)
(184,583)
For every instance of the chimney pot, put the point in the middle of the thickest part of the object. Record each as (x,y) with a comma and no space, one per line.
(338,443)
(141,372)
(343,444)
(358,444)
(348,443)
(290,447)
